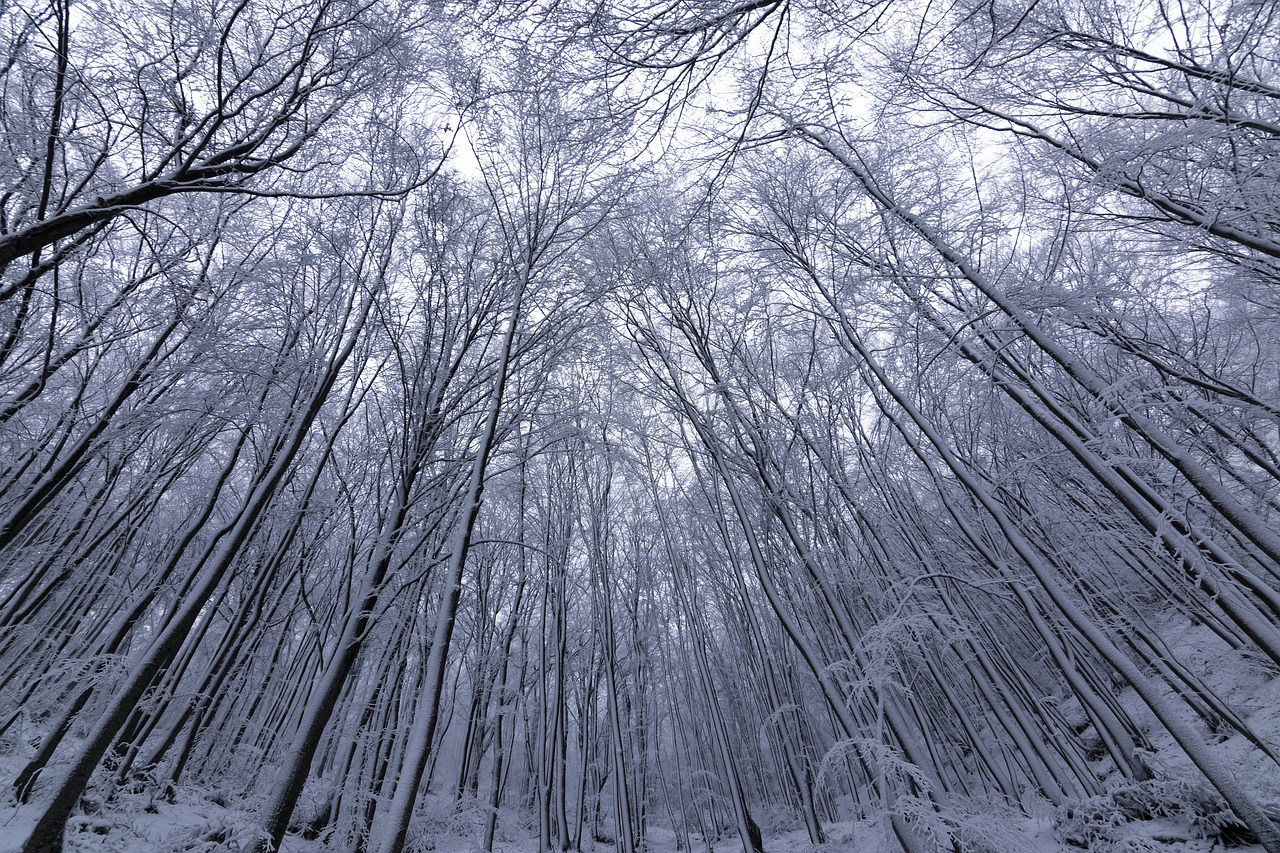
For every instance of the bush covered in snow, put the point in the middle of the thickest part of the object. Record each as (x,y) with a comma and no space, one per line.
(1139,816)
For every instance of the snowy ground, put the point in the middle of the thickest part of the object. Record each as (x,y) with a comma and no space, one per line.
(204,827)
(200,821)
(195,825)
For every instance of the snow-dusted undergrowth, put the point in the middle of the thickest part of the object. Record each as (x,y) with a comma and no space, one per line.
(1175,811)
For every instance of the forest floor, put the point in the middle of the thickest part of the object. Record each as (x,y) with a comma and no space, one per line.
(1171,812)
(196,825)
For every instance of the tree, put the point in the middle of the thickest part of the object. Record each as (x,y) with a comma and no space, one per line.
(200,99)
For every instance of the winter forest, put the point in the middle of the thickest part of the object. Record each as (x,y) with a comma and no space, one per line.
(723,426)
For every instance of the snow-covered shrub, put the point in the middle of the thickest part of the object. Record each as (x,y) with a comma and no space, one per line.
(469,818)
(969,825)
(775,819)
(209,836)
(439,818)
(978,827)
(314,810)
(1134,817)
(219,834)
(841,835)
(1090,824)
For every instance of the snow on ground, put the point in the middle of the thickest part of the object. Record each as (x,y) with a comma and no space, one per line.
(142,820)
(195,824)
